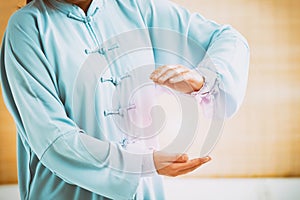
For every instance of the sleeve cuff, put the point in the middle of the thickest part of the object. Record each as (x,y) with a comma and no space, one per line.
(210,85)
(206,95)
(148,166)
(146,154)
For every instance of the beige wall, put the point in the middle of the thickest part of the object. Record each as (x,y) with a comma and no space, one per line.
(263,138)
(8,166)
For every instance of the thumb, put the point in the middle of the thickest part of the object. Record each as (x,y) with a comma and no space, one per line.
(178,157)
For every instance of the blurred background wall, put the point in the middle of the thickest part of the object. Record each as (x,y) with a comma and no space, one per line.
(263,139)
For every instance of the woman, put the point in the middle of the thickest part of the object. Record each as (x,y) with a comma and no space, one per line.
(64,150)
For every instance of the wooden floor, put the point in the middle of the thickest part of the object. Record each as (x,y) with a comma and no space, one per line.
(213,189)
(233,189)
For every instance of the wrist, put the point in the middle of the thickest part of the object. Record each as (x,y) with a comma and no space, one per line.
(198,85)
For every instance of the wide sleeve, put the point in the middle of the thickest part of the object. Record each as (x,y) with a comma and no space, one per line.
(31,95)
(224,65)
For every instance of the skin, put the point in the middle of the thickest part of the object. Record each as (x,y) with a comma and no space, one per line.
(83,4)
(178,78)
(175,164)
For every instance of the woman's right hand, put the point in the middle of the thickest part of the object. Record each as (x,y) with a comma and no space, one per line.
(176,164)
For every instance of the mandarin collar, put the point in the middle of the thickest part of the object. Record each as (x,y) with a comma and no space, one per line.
(68,8)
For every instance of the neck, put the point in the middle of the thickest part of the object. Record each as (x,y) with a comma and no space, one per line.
(84,5)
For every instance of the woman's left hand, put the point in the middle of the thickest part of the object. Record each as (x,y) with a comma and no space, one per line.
(178,77)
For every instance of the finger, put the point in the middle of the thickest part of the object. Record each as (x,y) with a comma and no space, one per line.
(156,73)
(159,71)
(182,172)
(171,73)
(190,80)
(190,75)
(197,162)
(182,158)
(180,78)
(194,164)
(178,158)
(171,157)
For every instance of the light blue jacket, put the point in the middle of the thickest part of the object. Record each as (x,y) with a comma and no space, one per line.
(59,65)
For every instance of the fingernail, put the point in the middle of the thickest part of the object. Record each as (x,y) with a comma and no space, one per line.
(171,80)
(154,77)
(184,157)
(206,159)
(160,81)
